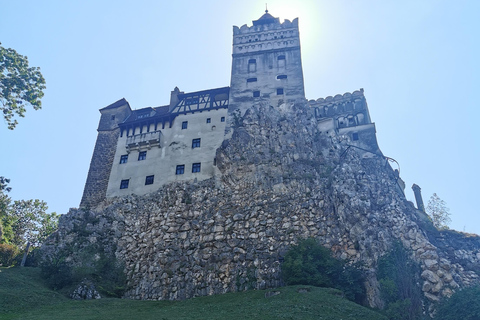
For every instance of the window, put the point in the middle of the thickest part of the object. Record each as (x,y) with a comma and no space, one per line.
(124,184)
(252,65)
(196,167)
(222,119)
(124,158)
(196,143)
(282,76)
(113,117)
(279,91)
(184,124)
(256,94)
(180,169)
(209,120)
(282,57)
(149,180)
(252,80)
(142,155)
(355,136)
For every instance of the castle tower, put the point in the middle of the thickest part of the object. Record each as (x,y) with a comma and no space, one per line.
(104,152)
(266,64)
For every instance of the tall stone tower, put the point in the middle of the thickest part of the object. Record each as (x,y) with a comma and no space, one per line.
(266,64)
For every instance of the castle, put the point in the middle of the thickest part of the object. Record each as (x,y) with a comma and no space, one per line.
(137,151)
(205,195)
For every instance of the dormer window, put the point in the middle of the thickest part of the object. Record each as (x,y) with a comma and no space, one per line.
(143,115)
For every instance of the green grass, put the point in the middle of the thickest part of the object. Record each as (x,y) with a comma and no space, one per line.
(24,296)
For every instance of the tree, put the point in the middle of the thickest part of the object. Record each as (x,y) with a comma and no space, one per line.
(439,213)
(463,304)
(31,224)
(20,86)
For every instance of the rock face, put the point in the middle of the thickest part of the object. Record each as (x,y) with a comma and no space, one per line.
(85,291)
(279,179)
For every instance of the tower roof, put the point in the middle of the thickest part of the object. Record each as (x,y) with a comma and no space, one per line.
(267,18)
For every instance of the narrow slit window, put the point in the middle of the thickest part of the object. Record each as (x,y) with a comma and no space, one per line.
(252,80)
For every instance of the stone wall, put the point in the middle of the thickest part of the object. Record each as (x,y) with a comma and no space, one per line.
(100,166)
(279,179)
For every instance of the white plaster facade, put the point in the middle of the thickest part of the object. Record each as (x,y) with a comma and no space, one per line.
(174,148)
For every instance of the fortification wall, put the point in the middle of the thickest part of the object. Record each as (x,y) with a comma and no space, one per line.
(281,179)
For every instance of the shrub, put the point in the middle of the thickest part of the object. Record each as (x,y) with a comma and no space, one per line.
(399,281)
(104,270)
(9,254)
(464,304)
(309,263)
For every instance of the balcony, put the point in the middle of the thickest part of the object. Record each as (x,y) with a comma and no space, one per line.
(144,141)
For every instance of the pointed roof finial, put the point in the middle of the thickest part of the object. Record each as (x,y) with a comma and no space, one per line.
(266,8)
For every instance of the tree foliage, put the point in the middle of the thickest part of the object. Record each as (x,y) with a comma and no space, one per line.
(309,263)
(22,222)
(30,222)
(439,213)
(399,281)
(21,86)
(464,304)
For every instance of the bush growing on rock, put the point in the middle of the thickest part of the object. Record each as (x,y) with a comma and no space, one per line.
(399,285)
(309,263)
(464,304)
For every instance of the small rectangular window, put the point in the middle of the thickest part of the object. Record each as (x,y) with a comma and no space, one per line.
(209,120)
(355,136)
(124,184)
(196,143)
(123,158)
(279,91)
(184,124)
(222,119)
(282,57)
(252,65)
(142,155)
(256,94)
(149,180)
(196,167)
(282,76)
(252,80)
(180,169)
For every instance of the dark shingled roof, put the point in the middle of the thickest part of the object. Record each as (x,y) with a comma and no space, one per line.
(117,104)
(267,18)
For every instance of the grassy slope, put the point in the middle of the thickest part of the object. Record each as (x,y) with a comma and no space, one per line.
(23,296)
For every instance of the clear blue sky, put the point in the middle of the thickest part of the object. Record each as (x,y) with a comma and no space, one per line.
(418,61)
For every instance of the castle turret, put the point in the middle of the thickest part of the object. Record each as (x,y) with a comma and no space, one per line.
(104,152)
(266,63)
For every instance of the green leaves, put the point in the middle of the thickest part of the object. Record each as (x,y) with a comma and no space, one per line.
(439,213)
(21,86)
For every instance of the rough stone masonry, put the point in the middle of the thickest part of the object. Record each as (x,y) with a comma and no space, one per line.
(281,179)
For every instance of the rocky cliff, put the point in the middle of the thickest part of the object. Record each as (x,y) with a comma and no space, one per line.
(279,179)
